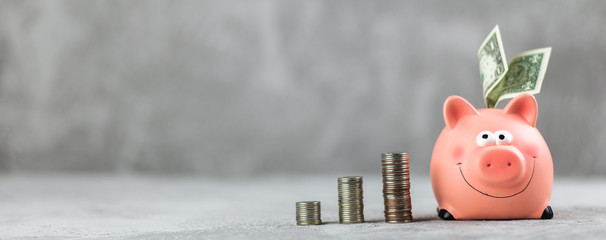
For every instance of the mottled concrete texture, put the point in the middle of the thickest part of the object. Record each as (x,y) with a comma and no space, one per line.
(136,207)
(250,87)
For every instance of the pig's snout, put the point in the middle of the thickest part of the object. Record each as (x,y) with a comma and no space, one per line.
(501,165)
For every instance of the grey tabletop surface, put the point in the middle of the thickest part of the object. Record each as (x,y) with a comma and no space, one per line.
(164,207)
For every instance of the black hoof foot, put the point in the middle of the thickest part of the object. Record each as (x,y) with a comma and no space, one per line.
(445,215)
(547,213)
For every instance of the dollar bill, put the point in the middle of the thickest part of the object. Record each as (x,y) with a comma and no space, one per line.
(525,75)
(493,64)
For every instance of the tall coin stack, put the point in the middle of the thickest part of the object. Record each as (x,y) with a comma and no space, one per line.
(396,187)
(308,213)
(351,205)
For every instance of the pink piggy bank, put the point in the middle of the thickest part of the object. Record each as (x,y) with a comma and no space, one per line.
(491,163)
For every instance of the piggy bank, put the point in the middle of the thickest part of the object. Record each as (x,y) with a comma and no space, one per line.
(491,163)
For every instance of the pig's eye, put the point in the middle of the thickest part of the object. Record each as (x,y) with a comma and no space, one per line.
(503,137)
(485,138)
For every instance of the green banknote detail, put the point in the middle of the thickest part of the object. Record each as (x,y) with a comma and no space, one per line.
(525,75)
(491,56)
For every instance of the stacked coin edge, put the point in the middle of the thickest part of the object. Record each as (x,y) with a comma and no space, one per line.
(396,187)
(351,200)
(308,213)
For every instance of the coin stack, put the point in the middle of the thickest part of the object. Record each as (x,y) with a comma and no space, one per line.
(396,187)
(308,213)
(351,204)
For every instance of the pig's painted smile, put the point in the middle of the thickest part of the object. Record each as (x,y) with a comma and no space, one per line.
(527,184)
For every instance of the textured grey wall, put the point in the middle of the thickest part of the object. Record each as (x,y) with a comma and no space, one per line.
(249,87)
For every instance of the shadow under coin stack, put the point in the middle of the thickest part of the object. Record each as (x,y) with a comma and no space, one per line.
(396,187)
(308,213)
(351,205)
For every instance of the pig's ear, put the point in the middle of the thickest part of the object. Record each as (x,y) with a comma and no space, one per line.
(524,105)
(455,108)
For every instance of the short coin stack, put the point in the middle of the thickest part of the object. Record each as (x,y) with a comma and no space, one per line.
(308,213)
(396,187)
(351,205)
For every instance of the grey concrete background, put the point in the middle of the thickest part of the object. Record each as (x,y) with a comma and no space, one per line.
(251,87)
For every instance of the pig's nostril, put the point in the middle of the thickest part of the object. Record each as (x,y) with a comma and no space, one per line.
(488,165)
(509,164)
